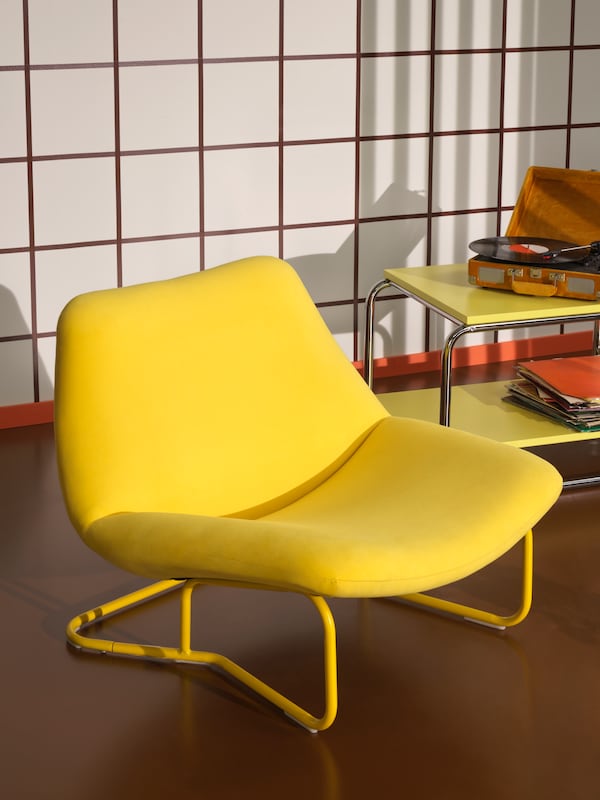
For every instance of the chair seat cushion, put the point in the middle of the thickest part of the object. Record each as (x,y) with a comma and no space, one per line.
(416,506)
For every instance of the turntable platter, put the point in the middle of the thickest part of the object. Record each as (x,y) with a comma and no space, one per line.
(529,250)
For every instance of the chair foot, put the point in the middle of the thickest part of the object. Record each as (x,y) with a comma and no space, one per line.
(300,724)
(184,654)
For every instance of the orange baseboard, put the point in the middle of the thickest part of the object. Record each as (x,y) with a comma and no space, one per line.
(476,355)
(26,414)
(43,412)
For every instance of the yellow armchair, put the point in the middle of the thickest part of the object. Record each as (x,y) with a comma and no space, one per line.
(210,430)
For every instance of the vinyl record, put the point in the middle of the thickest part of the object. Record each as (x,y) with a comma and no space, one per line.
(530,250)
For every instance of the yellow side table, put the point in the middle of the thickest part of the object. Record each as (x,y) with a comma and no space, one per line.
(446,290)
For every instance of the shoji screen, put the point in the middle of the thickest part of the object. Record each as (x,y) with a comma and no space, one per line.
(143,139)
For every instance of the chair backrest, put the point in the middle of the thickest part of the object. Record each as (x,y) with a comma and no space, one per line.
(217,393)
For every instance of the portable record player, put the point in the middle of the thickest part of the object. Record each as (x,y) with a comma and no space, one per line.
(552,246)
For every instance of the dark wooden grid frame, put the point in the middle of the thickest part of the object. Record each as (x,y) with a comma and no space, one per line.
(201,232)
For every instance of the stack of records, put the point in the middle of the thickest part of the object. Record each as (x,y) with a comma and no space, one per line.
(565,389)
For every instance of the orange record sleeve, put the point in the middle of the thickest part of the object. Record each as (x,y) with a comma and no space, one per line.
(576,377)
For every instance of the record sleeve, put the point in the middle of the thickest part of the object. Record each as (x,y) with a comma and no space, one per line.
(576,378)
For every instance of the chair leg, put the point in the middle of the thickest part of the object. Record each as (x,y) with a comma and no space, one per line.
(477,615)
(186,655)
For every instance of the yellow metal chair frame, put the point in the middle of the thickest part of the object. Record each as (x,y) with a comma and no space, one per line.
(185,654)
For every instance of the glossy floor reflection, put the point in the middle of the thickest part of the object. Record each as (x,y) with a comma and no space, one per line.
(429,708)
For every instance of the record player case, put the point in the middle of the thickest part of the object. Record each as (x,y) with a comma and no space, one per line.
(553,203)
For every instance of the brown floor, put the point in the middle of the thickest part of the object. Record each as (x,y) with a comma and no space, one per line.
(429,708)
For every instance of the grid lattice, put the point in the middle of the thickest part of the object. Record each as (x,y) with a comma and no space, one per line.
(147,140)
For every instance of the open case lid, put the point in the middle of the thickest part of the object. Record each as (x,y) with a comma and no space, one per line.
(558,204)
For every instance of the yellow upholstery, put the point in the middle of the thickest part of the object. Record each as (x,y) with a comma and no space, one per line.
(217,393)
(396,518)
(209,428)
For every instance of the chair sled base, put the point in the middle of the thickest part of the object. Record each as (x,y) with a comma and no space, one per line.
(185,654)
(486,618)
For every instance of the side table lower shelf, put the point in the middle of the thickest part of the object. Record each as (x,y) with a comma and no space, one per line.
(479,408)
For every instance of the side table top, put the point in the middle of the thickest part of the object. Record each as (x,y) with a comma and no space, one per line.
(446,289)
